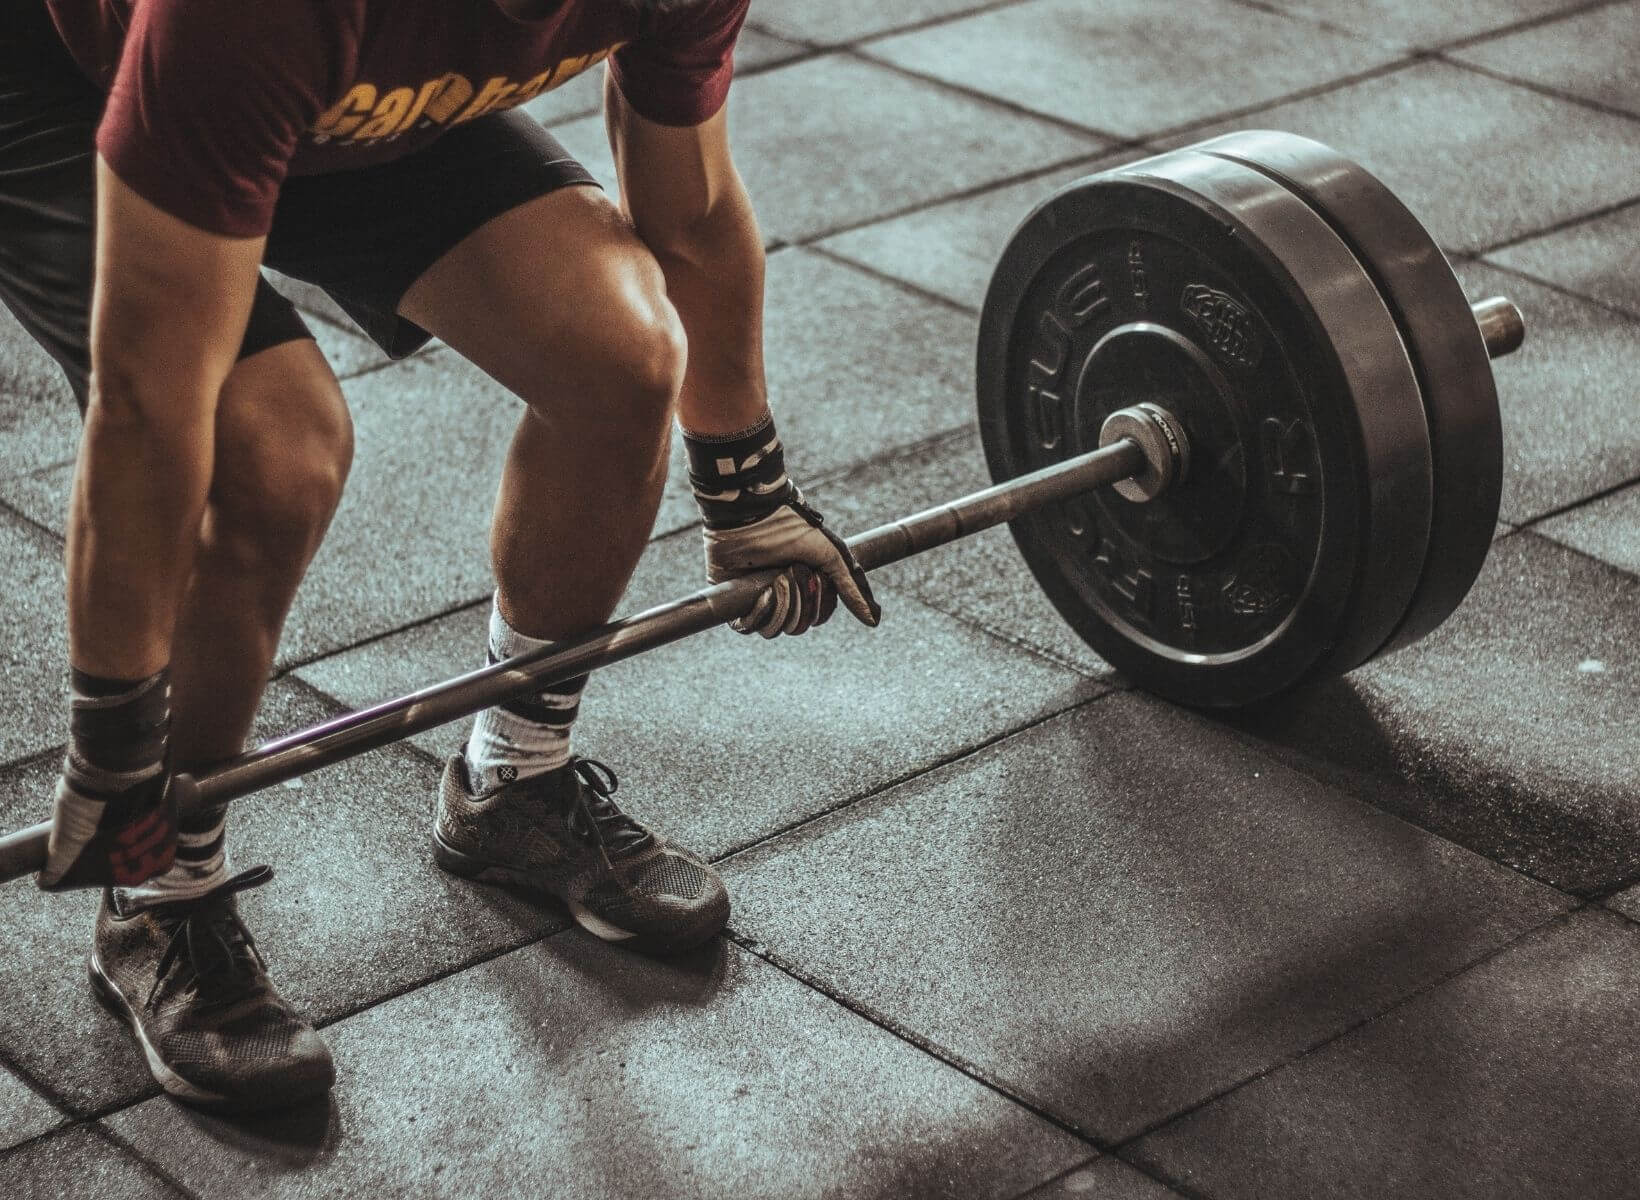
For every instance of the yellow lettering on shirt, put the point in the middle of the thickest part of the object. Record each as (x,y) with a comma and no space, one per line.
(496,89)
(387,116)
(452,92)
(366,114)
(348,114)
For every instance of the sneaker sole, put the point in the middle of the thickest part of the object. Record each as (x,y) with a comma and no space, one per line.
(480,870)
(115,1002)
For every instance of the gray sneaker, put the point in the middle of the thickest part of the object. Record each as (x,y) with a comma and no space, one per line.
(560,832)
(189,981)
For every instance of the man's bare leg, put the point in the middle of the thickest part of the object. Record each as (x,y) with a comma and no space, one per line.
(282,451)
(560,302)
(284,443)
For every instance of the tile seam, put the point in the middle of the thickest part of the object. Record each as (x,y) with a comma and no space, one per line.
(879,790)
(978,9)
(809,240)
(988,99)
(1127,1146)
(912,1038)
(1542,89)
(1531,527)
(55,540)
(1299,96)
(1317,775)
(1481,258)
(121,1144)
(1525,24)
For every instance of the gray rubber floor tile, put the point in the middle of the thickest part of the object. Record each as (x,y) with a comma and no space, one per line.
(23,1114)
(1608,529)
(605,1075)
(1104,1179)
(1627,902)
(981,578)
(1514,1079)
(831,142)
(1593,258)
(855,366)
(1117,66)
(33,640)
(1490,161)
(42,495)
(1571,428)
(39,423)
(76,1165)
(1122,911)
(722,739)
(849,20)
(1497,730)
(411,538)
(347,352)
(1593,54)
(357,912)
(1423,23)
(952,248)
(312,298)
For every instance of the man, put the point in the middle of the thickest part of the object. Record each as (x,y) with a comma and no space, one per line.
(369,146)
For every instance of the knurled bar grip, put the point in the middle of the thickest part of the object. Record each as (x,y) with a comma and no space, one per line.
(24,852)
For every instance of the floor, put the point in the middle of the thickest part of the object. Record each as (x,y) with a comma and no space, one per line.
(1004,926)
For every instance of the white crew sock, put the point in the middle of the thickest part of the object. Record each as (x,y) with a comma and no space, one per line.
(526,736)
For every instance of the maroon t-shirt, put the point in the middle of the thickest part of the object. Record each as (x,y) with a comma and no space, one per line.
(211,103)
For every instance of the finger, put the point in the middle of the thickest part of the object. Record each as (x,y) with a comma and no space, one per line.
(806,584)
(754,620)
(849,579)
(781,589)
(795,622)
(828,601)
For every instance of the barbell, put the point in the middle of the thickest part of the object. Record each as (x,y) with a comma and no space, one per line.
(1237,410)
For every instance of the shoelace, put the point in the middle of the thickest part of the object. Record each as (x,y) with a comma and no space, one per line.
(597,818)
(221,956)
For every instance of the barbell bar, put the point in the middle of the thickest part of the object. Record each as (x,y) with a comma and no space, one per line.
(24,851)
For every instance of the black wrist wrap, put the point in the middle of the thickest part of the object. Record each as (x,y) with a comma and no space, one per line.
(738,478)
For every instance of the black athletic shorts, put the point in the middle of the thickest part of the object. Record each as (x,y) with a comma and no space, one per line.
(363,236)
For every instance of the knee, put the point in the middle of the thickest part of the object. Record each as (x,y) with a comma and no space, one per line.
(644,355)
(620,371)
(274,495)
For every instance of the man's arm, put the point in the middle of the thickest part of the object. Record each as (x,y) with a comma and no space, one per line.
(168,315)
(680,187)
(686,200)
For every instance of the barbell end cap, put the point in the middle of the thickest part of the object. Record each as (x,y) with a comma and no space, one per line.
(1502,326)
(1160,435)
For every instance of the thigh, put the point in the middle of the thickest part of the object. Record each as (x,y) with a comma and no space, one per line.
(48,123)
(554,298)
(365,236)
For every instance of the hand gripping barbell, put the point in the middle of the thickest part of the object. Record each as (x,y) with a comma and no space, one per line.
(1269,363)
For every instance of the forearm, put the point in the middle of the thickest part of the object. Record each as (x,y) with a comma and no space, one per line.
(139,490)
(714,278)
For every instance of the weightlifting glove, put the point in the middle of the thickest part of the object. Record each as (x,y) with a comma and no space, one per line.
(122,840)
(114,815)
(756,518)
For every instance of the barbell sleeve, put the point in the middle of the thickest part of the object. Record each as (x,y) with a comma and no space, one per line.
(24,851)
(1503,328)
